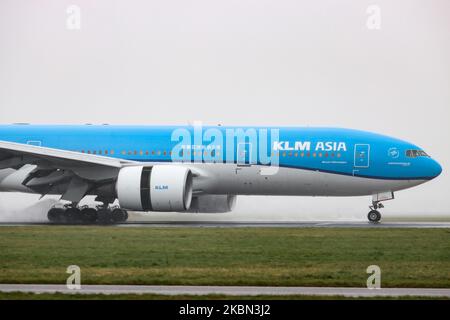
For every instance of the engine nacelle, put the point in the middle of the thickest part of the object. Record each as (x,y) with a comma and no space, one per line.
(213,203)
(157,188)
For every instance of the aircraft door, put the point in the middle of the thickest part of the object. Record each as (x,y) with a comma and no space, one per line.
(362,156)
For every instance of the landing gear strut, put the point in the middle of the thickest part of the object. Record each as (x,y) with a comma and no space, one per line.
(73,214)
(374,215)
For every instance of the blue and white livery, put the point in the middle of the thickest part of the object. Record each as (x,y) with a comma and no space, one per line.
(201,169)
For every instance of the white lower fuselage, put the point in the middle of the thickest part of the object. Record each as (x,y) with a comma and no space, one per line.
(256,180)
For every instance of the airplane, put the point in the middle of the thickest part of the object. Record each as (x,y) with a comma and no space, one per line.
(201,169)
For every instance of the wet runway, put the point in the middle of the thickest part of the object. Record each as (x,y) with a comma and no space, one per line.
(227,290)
(309,224)
(251,224)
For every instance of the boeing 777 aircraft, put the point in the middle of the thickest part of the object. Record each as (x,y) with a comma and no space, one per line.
(201,169)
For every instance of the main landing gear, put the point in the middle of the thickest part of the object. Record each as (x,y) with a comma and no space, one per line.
(72,214)
(374,215)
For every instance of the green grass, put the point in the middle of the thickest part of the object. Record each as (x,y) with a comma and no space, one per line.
(226,256)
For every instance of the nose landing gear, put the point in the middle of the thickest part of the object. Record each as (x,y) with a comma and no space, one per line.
(374,215)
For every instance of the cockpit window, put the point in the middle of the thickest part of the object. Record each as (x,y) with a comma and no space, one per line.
(416,153)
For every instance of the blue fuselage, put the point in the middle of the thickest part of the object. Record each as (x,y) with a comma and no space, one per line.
(331,150)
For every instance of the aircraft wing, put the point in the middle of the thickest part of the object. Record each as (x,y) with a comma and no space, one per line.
(46,170)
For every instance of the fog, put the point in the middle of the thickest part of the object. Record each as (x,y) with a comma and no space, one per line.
(285,62)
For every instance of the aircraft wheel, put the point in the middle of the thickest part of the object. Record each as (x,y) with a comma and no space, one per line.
(119,215)
(73,215)
(104,216)
(89,215)
(55,214)
(374,216)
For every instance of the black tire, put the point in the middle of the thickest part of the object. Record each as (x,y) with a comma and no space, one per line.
(89,215)
(119,215)
(104,216)
(73,215)
(374,216)
(55,214)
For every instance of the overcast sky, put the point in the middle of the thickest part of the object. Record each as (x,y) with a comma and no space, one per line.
(241,62)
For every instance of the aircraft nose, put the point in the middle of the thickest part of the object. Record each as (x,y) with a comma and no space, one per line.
(434,168)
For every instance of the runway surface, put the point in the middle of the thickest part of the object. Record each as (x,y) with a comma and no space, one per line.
(227,290)
(251,224)
(321,224)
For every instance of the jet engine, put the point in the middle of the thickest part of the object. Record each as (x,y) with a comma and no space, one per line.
(213,203)
(156,188)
